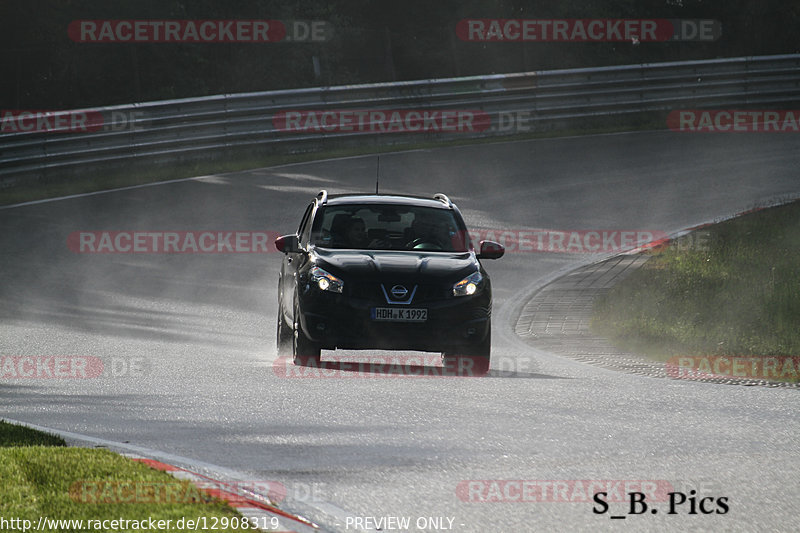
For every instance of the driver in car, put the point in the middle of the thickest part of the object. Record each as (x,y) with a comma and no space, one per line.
(357,236)
(427,230)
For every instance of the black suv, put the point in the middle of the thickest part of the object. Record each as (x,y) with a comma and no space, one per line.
(385,272)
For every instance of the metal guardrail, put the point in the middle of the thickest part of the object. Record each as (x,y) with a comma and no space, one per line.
(200,128)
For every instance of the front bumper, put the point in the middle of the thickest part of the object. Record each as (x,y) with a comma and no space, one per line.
(343,321)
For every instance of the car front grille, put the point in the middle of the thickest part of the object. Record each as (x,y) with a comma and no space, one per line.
(373,292)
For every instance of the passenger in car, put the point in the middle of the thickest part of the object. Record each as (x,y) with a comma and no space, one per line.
(356,233)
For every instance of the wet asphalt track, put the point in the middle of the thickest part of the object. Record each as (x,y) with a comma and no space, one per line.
(202,328)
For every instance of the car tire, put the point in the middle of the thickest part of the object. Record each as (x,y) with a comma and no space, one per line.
(284,335)
(304,351)
(470,361)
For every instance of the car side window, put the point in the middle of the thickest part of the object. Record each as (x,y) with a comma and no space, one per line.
(305,225)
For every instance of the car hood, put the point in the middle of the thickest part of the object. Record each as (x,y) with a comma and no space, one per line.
(377,264)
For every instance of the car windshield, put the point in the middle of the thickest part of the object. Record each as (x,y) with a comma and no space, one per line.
(389,227)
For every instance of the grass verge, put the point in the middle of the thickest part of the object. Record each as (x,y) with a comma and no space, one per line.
(42,477)
(734,290)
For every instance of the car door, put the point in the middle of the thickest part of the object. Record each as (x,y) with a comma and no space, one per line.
(292,263)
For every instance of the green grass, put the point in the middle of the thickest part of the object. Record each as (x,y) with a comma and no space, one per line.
(14,435)
(41,477)
(733,292)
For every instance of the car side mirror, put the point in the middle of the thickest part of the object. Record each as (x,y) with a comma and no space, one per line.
(287,244)
(491,250)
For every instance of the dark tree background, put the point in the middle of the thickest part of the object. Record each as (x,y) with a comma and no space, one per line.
(41,68)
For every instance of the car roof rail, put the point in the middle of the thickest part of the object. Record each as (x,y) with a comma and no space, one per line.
(443,198)
(322,196)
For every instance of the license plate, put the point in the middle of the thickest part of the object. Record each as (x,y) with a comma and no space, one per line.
(397,314)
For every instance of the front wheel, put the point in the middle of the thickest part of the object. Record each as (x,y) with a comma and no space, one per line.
(304,351)
(470,360)
(284,336)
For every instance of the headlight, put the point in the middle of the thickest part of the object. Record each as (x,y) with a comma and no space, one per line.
(469,285)
(326,281)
